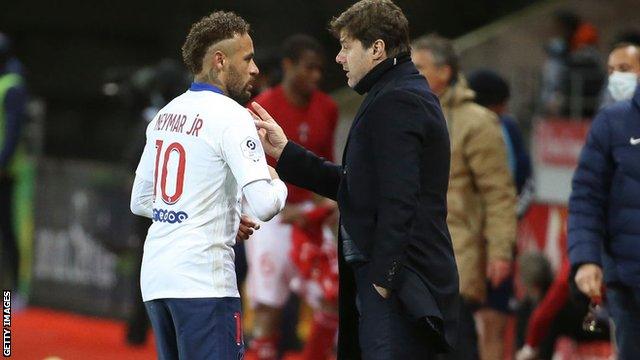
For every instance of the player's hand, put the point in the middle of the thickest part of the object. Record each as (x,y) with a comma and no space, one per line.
(271,134)
(382,291)
(498,271)
(247,225)
(589,280)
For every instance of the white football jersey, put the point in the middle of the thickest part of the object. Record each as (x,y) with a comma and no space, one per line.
(201,149)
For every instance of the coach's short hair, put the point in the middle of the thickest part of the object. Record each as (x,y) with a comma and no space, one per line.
(211,29)
(370,20)
(442,50)
(295,45)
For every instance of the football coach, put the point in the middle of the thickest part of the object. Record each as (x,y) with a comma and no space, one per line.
(398,276)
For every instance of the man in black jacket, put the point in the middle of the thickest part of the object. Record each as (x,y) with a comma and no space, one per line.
(398,276)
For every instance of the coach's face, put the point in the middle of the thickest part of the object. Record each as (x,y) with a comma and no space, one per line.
(355,59)
(240,69)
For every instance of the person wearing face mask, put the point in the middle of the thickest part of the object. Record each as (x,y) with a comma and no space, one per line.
(604,207)
(624,68)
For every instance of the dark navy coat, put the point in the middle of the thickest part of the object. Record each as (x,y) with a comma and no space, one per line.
(604,208)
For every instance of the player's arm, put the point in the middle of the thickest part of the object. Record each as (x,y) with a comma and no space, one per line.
(266,198)
(142,191)
(142,197)
(265,193)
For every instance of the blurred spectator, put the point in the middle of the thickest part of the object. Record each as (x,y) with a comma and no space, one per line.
(308,116)
(492,92)
(481,196)
(548,311)
(573,74)
(13,101)
(604,216)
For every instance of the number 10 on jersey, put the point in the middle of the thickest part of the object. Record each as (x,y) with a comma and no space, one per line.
(173,149)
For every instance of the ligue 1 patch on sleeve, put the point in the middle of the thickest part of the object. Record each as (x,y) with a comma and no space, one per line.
(251,149)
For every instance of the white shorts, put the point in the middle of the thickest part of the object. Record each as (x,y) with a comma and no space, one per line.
(271,269)
(272,274)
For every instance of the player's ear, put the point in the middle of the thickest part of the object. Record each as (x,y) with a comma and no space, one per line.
(219,60)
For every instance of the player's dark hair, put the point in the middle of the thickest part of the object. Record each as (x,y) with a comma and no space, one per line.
(370,20)
(209,30)
(442,50)
(296,45)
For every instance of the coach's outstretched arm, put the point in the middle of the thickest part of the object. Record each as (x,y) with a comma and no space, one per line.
(296,165)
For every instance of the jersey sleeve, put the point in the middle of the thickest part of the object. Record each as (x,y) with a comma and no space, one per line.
(146,165)
(242,150)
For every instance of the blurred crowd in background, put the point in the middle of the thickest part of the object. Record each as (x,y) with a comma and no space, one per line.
(70,244)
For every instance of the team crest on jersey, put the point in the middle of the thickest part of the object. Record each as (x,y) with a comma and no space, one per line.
(251,149)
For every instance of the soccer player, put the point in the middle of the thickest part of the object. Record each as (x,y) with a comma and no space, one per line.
(201,156)
(308,116)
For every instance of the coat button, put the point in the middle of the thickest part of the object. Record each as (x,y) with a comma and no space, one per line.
(344,170)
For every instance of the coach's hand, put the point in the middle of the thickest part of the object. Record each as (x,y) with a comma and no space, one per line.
(589,280)
(271,135)
(246,227)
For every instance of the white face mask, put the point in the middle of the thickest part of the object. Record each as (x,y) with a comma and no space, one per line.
(622,85)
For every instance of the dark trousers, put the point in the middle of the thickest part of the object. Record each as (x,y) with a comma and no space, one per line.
(624,307)
(197,329)
(10,254)
(466,347)
(385,332)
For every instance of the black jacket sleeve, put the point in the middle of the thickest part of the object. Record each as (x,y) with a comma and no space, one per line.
(398,123)
(301,167)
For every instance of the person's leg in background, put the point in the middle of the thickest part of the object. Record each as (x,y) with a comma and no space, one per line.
(624,306)
(10,253)
(268,289)
(492,320)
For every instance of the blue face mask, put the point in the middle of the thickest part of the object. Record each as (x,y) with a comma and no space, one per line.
(622,85)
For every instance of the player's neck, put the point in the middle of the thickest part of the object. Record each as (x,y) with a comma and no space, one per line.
(209,78)
(296,98)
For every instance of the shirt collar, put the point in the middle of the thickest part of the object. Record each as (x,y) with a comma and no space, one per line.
(198,86)
(372,77)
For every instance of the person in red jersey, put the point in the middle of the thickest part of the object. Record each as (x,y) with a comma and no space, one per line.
(288,254)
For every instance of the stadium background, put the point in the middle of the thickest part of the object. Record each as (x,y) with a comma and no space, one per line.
(73,208)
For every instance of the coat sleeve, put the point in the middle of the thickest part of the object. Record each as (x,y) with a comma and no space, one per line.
(397,123)
(589,194)
(485,151)
(301,167)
